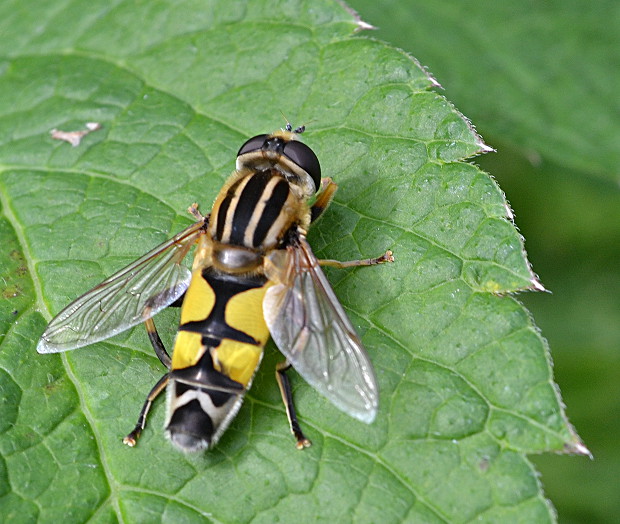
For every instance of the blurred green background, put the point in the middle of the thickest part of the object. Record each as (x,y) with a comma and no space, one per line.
(541,83)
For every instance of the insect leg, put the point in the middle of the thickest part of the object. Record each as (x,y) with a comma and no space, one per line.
(151,331)
(386,257)
(157,344)
(328,189)
(193,210)
(287,398)
(131,439)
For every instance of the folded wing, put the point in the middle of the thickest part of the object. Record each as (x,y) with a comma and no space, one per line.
(311,329)
(126,299)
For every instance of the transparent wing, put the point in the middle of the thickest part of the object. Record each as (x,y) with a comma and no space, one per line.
(311,329)
(127,298)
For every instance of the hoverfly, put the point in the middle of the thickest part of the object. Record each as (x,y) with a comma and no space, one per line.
(253,275)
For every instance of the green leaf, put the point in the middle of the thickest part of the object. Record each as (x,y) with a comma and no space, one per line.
(465,378)
(536,75)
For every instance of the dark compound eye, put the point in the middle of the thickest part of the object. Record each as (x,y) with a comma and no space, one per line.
(297,152)
(253,144)
(305,158)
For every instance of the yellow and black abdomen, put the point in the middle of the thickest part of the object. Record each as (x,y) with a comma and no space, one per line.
(216,353)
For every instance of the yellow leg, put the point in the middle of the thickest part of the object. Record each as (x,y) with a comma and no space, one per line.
(324,198)
(386,257)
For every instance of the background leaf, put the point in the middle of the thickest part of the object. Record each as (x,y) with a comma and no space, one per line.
(538,81)
(466,386)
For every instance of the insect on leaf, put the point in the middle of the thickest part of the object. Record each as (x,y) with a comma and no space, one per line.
(465,384)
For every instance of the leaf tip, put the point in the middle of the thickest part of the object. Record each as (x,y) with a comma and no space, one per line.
(364,26)
(537,284)
(361,25)
(484,148)
(434,82)
(578,448)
